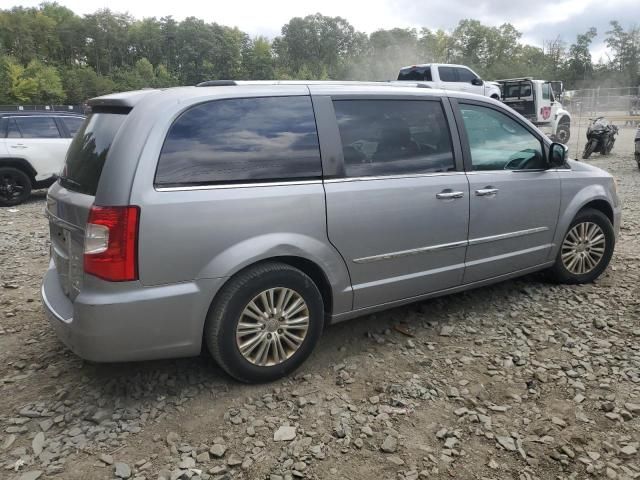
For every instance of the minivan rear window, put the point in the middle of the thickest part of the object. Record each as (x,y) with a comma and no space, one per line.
(89,149)
(241,140)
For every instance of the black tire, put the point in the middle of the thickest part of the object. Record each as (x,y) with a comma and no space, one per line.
(560,272)
(563,133)
(15,186)
(226,310)
(589,148)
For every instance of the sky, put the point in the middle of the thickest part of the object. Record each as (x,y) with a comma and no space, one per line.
(538,20)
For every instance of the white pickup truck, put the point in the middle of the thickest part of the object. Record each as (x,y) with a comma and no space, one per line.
(449,77)
(536,100)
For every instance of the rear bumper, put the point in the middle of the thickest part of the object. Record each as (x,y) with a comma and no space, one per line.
(111,322)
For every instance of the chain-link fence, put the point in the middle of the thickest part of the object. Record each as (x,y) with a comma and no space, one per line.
(621,106)
(622,103)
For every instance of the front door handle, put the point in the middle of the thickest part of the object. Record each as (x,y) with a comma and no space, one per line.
(448,194)
(18,145)
(487,192)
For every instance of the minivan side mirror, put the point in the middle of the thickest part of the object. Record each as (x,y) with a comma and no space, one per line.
(477,82)
(557,155)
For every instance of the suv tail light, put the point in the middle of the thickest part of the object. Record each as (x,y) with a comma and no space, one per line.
(111,243)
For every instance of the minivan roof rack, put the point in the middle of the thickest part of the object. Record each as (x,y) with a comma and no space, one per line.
(216,83)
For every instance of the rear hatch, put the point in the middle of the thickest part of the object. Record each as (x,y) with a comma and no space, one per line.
(70,199)
(520,95)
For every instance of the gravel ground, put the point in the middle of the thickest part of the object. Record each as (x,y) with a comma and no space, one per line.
(521,380)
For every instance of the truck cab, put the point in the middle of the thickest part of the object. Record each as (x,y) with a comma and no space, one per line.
(449,77)
(536,100)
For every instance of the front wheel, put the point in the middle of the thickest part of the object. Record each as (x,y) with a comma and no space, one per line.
(586,248)
(563,133)
(15,186)
(589,148)
(265,322)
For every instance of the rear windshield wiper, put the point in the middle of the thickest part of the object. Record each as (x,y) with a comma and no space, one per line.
(71,182)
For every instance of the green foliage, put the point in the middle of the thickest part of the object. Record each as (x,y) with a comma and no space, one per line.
(49,54)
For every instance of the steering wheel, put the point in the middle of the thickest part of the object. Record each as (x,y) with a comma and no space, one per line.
(521,163)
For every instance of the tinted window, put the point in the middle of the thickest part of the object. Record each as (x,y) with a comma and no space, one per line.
(12,129)
(546,91)
(393,137)
(498,142)
(242,140)
(465,75)
(37,127)
(73,124)
(447,74)
(88,151)
(517,90)
(415,74)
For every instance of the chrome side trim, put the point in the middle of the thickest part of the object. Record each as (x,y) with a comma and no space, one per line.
(236,185)
(407,253)
(390,177)
(446,246)
(503,236)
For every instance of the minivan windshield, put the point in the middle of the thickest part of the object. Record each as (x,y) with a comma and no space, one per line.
(88,151)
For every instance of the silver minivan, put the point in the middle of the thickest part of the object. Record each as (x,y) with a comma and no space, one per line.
(247,217)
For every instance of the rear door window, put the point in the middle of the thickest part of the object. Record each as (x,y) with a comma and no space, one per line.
(37,127)
(73,124)
(12,129)
(242,140)
(88,151)
(415,74)
(447,74)
(393,137)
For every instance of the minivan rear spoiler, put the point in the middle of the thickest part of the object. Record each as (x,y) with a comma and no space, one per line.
(124,99)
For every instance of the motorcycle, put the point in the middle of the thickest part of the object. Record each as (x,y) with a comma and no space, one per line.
(637,152)
(601,135)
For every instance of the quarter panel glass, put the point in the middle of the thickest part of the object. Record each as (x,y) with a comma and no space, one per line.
(242,140)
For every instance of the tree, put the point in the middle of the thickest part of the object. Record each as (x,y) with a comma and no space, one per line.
(257,59)
(579,66)
(626,51)
(316,43)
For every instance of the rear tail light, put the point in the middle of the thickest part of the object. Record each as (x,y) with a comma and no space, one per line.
(111,243)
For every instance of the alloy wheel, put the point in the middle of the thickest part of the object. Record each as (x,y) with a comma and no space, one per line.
(583,248)
(272,326)
(11,187)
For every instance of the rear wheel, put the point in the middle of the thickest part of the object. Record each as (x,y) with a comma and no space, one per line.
(586,248)
(265,322)
(15,186)
(589,148)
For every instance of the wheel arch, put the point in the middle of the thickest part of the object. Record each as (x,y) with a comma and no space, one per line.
(20,164)
(593,196)
(602,206)
(564,120)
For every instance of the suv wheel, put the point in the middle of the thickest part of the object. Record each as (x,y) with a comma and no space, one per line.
(15,186)
(265,322)
(586,248)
